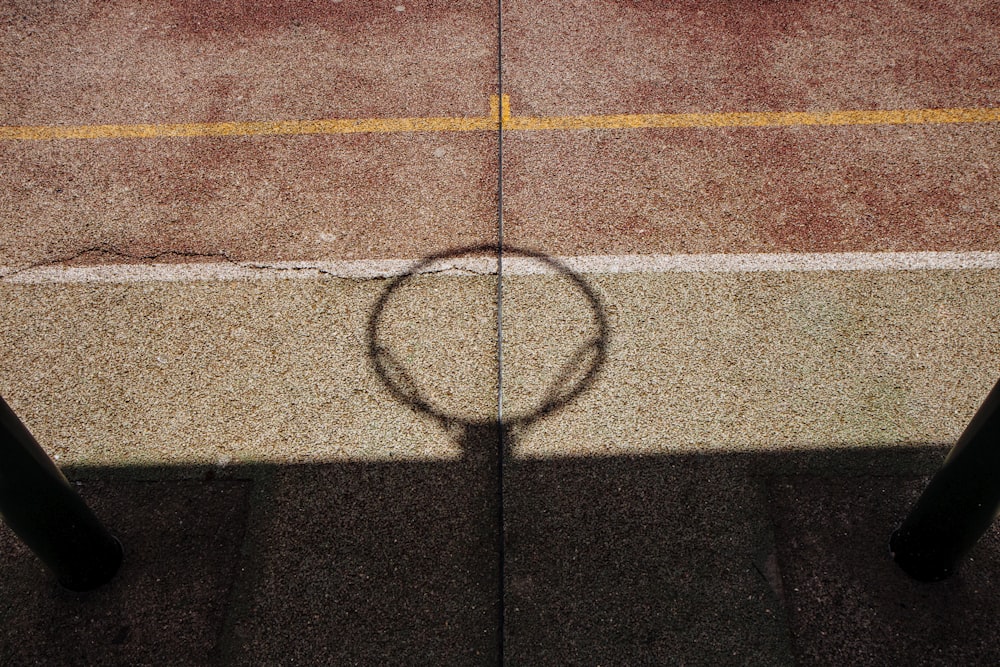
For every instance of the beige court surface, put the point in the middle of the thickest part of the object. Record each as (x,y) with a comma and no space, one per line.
(758,305)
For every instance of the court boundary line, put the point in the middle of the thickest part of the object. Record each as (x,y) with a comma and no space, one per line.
(500,116)
(512,266)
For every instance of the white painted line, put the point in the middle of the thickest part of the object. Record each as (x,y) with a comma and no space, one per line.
(228,270)
(128,273)
(779,262)
(513,265)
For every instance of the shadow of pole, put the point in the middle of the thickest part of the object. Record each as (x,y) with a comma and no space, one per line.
(488,443)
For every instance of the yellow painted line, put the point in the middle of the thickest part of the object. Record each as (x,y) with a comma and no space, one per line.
(500,116)
(252,128)
(755,119)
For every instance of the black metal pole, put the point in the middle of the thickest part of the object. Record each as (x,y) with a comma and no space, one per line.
(41,507)
(958,505)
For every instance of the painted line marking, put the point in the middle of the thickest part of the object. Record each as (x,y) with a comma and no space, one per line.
(500,114)
(756,119)
(514,266)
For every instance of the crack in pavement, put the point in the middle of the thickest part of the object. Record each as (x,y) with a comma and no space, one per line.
(61,269)
(107,249)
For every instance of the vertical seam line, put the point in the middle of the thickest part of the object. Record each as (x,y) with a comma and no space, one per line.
(501,439)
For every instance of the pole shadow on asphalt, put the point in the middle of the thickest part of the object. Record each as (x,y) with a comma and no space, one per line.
(488,443)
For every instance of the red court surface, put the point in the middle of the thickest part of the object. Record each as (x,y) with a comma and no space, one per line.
(644,56)
(797,189)
(250,198)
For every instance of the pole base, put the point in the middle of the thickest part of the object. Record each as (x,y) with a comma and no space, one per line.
(921,558)
(98,573)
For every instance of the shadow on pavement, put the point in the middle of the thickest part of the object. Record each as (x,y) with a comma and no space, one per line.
(699,559)
(732,559)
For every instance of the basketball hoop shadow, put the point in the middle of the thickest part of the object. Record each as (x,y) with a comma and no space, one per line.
(480,438)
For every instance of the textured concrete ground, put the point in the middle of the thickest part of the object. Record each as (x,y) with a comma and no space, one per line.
(709,430)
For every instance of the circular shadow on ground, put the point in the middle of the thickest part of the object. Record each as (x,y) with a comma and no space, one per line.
(573,379)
